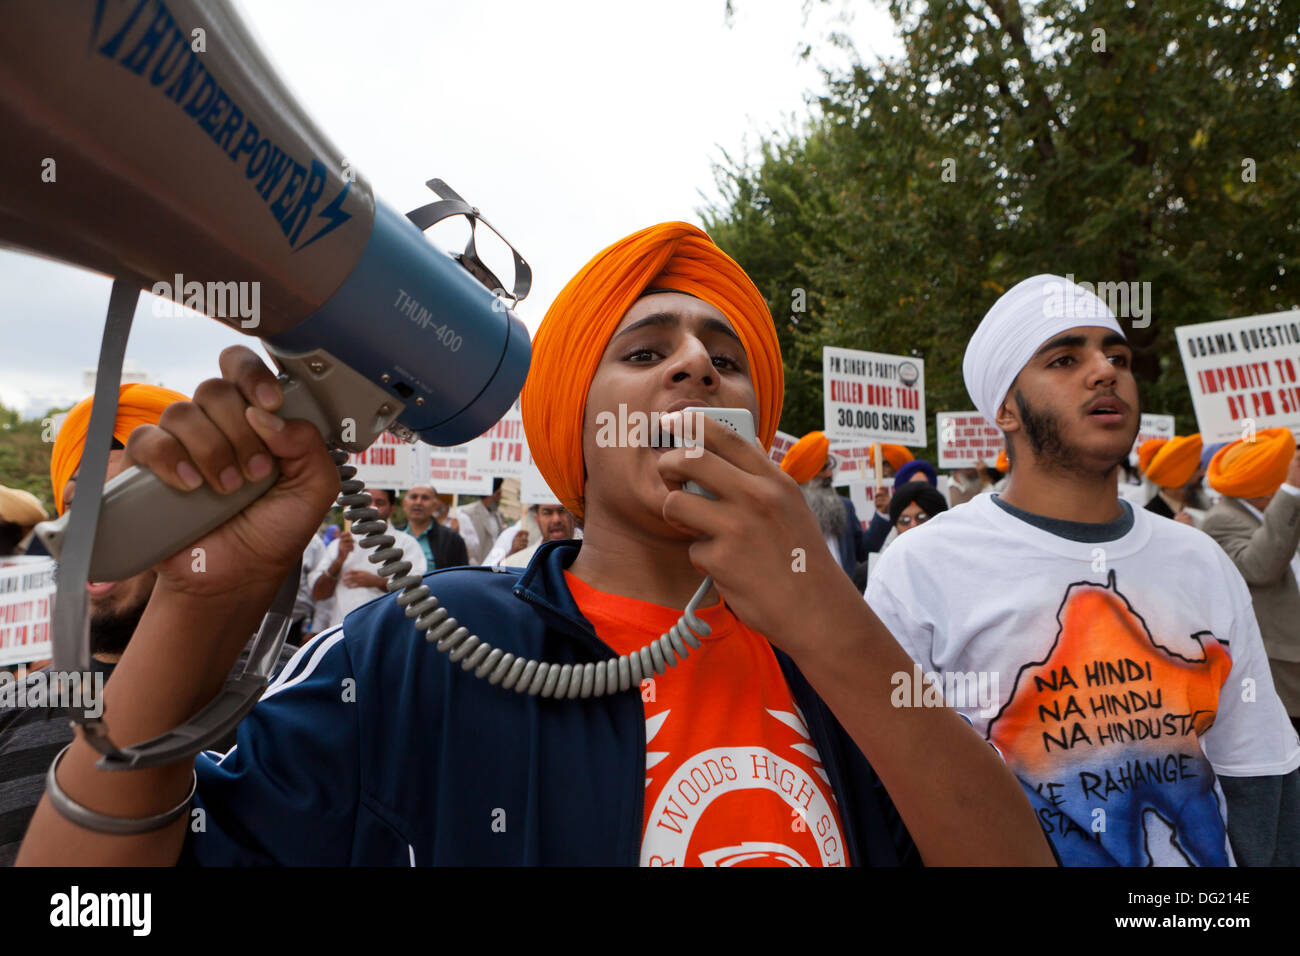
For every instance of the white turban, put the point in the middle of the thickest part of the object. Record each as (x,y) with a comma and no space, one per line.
(1027,315)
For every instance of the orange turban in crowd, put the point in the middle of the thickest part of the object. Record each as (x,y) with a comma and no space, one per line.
(807,457)
(1253,469)
(1146,451)
(896,455)
(1003,464)
(580,322)
(1174,462)
(136,405)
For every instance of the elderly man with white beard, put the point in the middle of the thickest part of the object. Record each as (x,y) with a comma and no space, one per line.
(810,463)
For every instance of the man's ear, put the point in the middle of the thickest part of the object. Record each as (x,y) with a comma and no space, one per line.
(1008,416)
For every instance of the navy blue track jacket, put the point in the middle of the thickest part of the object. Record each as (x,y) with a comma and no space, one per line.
(372,748)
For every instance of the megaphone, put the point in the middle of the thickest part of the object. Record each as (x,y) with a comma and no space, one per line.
(151,141)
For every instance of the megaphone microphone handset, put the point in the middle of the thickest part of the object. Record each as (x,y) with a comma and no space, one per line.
(523,675)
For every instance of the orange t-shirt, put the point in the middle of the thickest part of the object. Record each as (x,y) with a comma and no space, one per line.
(732,776)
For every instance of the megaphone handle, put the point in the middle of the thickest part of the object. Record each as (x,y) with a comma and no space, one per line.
(144,520)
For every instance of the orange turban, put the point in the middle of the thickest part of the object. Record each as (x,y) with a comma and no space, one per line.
(1174,462)
(807,457)
(896,455)
(582,319)
(1253,469)
(136,405)
(1146,451)
(1003,464)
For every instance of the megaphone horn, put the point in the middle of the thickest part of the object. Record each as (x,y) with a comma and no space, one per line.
(151,141)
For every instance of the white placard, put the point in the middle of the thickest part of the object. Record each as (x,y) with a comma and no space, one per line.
(392,463)
(1154,426)
(861,494)
(450,472)
(966,439)
(1243,374)
(871,396)
(781,443)
(26,589)
(853,464)
(502,450)
(533,489)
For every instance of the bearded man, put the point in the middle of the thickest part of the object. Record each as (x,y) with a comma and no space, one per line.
(1130,691)
(810,463)
(31,736)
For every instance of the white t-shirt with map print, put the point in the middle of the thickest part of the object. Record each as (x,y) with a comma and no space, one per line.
(1121,677)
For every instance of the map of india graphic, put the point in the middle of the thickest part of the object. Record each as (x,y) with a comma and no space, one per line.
(1105,732)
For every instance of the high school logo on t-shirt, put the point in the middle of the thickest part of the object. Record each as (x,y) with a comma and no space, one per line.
(707,807)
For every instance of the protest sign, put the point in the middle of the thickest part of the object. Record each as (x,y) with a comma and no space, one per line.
(26,590)
(871,396)
(781,444)
(502,450)
(450,472)
(853,463)
(1153,426)
(533,489)
(392,463)
(966,439)
(1244,374)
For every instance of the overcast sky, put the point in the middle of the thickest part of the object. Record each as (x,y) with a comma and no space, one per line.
(569,123)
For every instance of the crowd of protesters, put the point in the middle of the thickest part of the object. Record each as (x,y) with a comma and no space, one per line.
(1073,579)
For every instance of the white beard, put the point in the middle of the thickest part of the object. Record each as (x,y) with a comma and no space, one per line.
(827,506)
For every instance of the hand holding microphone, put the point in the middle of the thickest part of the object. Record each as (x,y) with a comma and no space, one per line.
(758,540)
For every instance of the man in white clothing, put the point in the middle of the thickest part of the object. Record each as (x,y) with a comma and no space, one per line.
(516,537)
(1110,656)
(347,574)
(465,528)
(484,517)
(554,523)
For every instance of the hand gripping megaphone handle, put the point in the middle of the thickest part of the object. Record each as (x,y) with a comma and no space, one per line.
(143,520)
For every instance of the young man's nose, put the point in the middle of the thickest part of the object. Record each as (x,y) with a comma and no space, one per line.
(692,360)
(1102,369)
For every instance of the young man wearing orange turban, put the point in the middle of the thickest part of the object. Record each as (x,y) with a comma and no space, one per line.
(1130,689)
(731,757)
(1257,523)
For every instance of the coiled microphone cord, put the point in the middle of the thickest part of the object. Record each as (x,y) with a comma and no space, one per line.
(522,675)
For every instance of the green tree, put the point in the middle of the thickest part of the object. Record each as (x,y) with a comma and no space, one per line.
(25,455)
(1121,141)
